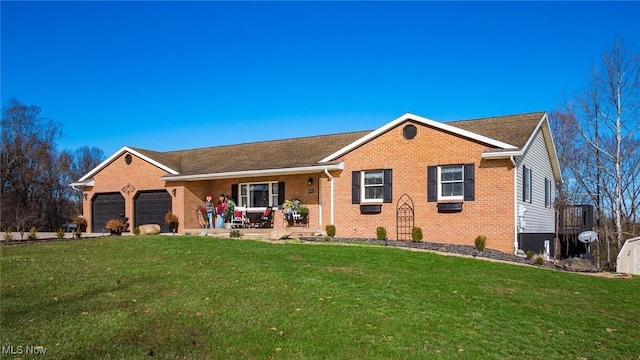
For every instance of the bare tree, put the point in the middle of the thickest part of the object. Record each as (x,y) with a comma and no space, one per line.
(34,176)
(605,158)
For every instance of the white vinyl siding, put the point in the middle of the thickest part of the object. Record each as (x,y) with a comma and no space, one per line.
(538,218)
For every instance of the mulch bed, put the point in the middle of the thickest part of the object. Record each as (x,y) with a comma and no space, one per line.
(443,248)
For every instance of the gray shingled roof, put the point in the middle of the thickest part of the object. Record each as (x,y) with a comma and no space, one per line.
(308,151)
(511,129)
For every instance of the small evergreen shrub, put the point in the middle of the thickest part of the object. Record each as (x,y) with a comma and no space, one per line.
(481,242)
(416,234)
(136,230)
(381,233)
(235,233)
(529,254)
(327,238)
(8,235)
(539,260)
(33,234)
(60,233)
(331,230)
(78,233)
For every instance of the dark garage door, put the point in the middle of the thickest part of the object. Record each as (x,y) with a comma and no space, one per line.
(150,208)
(106,207)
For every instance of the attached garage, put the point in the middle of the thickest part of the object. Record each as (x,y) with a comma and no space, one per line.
(150,208)
(106,206)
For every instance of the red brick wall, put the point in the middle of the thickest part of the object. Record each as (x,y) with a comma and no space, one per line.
(491,214)
(126,179)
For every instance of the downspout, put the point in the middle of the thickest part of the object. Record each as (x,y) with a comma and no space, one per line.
(515,205)
(331,204)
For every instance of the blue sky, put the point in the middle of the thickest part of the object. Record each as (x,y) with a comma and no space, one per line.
(179,75)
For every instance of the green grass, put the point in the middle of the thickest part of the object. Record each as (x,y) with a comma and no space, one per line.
(205,298)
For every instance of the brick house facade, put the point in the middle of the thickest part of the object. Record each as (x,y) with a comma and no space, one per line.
(458,180)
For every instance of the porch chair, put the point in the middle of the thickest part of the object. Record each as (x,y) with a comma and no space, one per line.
(239,218)
(267,218)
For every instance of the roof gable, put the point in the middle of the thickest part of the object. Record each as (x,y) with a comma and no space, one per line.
(123,150)
(490,131)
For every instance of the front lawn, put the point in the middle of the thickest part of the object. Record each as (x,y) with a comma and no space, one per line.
(206,298)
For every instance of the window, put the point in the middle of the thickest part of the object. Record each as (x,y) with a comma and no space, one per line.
(371,186)
(547,192)
(259,194)
(451,182)
(526,184)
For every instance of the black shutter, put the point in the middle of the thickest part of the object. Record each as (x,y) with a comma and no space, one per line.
(234,193)
(525,183)
(469,185)
(386,186)
(432,183)
(547,190)
(280,193)
(355,187)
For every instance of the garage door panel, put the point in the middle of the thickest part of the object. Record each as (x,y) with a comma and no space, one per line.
(150,208)
(105,207)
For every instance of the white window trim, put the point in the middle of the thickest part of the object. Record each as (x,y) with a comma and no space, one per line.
(363,187)
(455,197)
(256,208)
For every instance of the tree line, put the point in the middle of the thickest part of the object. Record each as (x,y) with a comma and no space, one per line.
(35,176)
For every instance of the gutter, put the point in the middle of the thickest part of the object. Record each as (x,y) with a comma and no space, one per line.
(331,206)
(515,205)
(251,173)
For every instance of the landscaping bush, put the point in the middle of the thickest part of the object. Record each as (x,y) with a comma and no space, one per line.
(331,230)
(235,233)
(381,233)
(78,233)
(539,260)
(481,242)
(33,234)
(416,234)
(136,230)
(529,254)
(116,226)
(81,222)
(8,235)
(60,233)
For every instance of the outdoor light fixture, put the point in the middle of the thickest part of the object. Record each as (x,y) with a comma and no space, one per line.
(174,192)
(310,181)
(84,196)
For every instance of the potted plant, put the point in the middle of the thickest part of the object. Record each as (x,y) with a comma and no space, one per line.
(172,220)
(81,223)
(303,211)
(116,226)
(228,213)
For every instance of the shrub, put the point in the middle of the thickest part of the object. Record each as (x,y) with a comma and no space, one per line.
(116,226)
(529,254)
(60,233)
(381,233)
(416,234)
(78,233)
(81,222)
(331,230)
(539,260)
(327,238)
(33,234)
(235,233)
(136,230)
(481,242)
(8,235)
(170,217)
